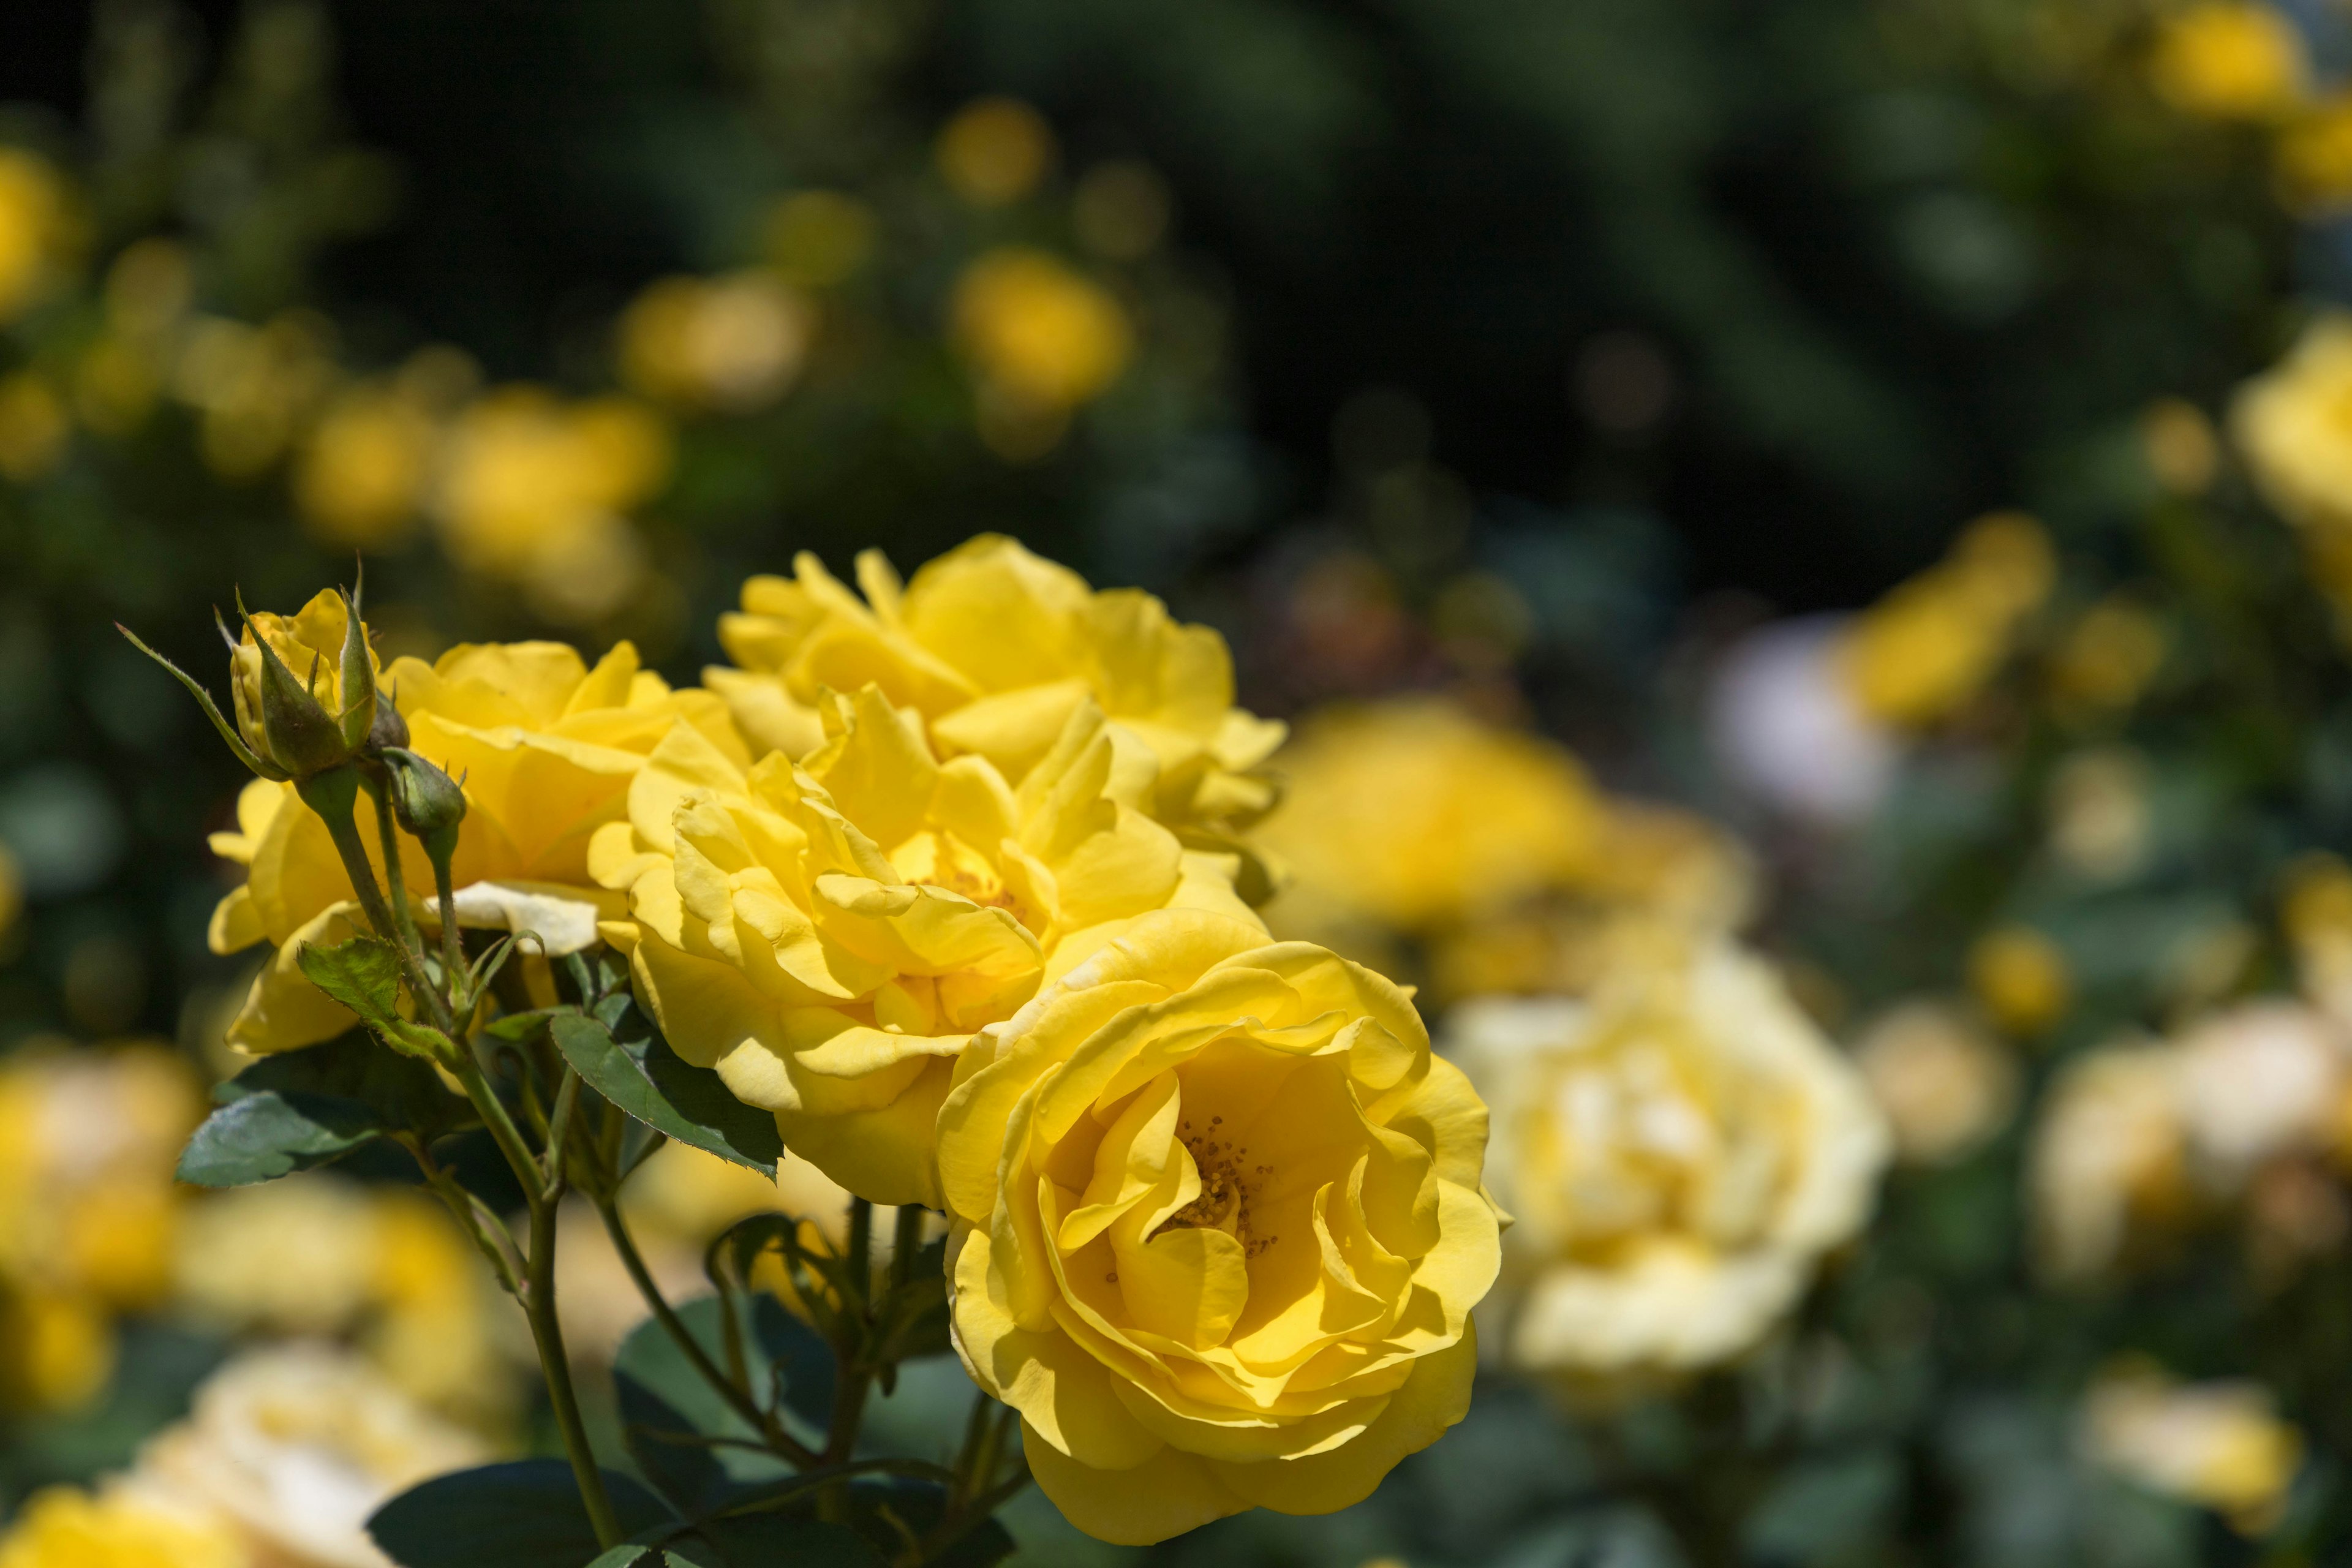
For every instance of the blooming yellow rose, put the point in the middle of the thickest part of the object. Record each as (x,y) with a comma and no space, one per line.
(829,935)
(2221,1443)
(2291,424)
(1934,641)
(1217,1227)
(62,1527)
(1412,814)
(996,648)
(1680,1150)
(2110,1157)
(546,748)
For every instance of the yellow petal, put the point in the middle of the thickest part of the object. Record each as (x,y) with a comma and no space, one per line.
(1165,1495)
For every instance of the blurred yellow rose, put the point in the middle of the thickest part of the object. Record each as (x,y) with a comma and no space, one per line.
(1043,338)
(2229,59)
(1944,1087)
(2313,158)
(995,151)
(546,747)
(2294,426)
(1934,641)
(730,343)
(1217,1227)
(2109,1161)
(1411,814)
(294,1446)
(996,646)
(830,935)
(2022,979)
(2221,1443)
(34,428)
(118,1528)
(253,387)
(1680,1152)
(363,467)
(35,228)
(2106,659)
(533,490)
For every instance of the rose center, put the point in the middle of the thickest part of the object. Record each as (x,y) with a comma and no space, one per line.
(1227,1181)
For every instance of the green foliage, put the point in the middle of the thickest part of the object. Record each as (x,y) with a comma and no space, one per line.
(500,1516)
(622,1057)
(311,1107)
(363,974)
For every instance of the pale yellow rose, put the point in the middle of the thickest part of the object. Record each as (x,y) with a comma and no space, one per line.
(2109,1158)
(2293,424)
(1934,641)
(830,935)
(1681,1150)
(1944,1086)
(996,648)
(2221,1443)
(545,747)
(1412,814)
(65,1528)
(730,344)
(295,1445)
(1217,1227)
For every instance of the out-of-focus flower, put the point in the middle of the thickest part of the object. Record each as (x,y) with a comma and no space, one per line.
(1945,1086)
(254,387)
(1934,641)
(365,466)
(118,1528)
(1790,731)
(2100,816)
(2219,1444)
(148,291)
(295,1445)
(532,489)
(2022,979)
(818,239)
(34,428)
(319,1255)
(834,981)
(2110,1157)
(996,648)
(1680,1152)
(2290,423)
(12,894)
(1043,338)
(2315,914)
(2179,446)
(547,748)
(1413,814)
(36,229)
(89,1139)
(2260,1079)
(1217,1229)
(2229,59)
(730,343)
(995,151)
(2106,659)
(2312,157)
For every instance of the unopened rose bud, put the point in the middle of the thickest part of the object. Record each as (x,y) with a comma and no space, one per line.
(304,686)
(425,801)
(389,729)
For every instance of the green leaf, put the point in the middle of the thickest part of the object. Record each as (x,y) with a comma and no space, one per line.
(304,1109)
(636,1070)
(506,1516)
(628,1557)
(363,974)
(761,1541)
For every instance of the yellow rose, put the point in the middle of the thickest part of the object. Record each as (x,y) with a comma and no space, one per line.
(1681,1150)
(995,647)
(1936,640)
(295,1445)
(1217,1227)
(730,344)
(1041,335)
(309,645)
(35,228)
(2227,59)
(63,1528)
(1412,814)
(2291,424)
(829,935)
(2110,1156)
(1945,1088)
(2221,1443)
(546,748)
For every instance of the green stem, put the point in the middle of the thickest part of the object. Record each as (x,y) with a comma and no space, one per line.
(344,829)
(738,1399)
(559,1131)
(396,876)
(967,1455)
(547,1333)
(453,947)
(905,1241)
(960,1522)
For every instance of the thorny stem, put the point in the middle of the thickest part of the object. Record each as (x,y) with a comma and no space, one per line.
(737,1398)
(488,1231)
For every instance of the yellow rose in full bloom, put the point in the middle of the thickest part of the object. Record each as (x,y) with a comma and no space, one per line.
(1680,1150)
(546,748)
(1413,813)
(63,1528)
(830,935)
(996,646)
(1217,1227)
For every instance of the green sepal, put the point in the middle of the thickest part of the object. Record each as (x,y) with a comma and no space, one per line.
(244,754)
(358,680)
(303,737)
